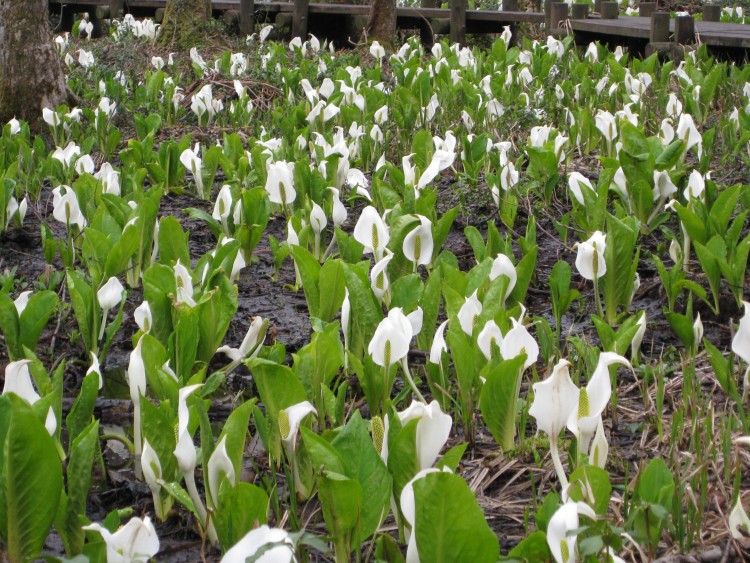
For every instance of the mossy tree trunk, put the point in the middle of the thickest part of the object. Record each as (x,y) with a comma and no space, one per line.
(381,24)
(182,22)
(31,74)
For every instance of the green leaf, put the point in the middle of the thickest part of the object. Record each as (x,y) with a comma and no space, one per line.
(180,495)
(236,429)
(670,156)
(342,503)
(422,148)
(30,483)
(9,326)
(34,318)
(278,388)
(363,301)
(173,242)
(722,368)
(82,299)
(656,484)
(322,454)
(402,454)
(532,548)
(499,397)
(633,139)
(363,464)
(82,410)
(82,456)
(159,424)
(450,525)
(241,508)
(589,481)
(332,285)
(309,271)
(616,284)
(387,549)
(452,457)
(184,342)
(441,228)
(215,315)
(406,291)
(682,327)
(158,284)
(525,270)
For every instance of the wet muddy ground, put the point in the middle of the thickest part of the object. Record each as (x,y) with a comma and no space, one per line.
(506,487)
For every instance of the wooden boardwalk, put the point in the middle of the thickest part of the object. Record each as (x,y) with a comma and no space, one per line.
(713,34)
(298,17)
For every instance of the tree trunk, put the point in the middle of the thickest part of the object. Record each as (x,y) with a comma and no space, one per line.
(182,23)
(381,25)
(31,74)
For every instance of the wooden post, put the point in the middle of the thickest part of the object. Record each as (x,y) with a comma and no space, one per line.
(659,27)
(558,15)
(299,19)
(159,15)
(598,6)
(645,9)
(102,12)
(115,8)
(579,12)
(684,30)
(458,21)
(711,12)
(511,6)
(100,28)
(66,18)
(247,17)
(283,23)
(610,10)
(231,18)
(547,15)
(440,26)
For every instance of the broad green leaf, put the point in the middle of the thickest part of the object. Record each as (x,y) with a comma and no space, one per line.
(322,454)
(9,326)
(215,315)
(236,429)
(656,484)
(173,242)
(450,525)
(589,481)
(31,481)
(83,453)
(184,342)
(452,457)
(499,397)
(159,424)
(241,508)
(309,271)
(532,548)
(82,410)
(278,388)
(364,465)
(331,286)
(342,502)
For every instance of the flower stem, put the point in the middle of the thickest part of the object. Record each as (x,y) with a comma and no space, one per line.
(555,454)
(386,388)
(120,438)
(407,375)
(104,323)
(137,439)
(200,508)
(599,310)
